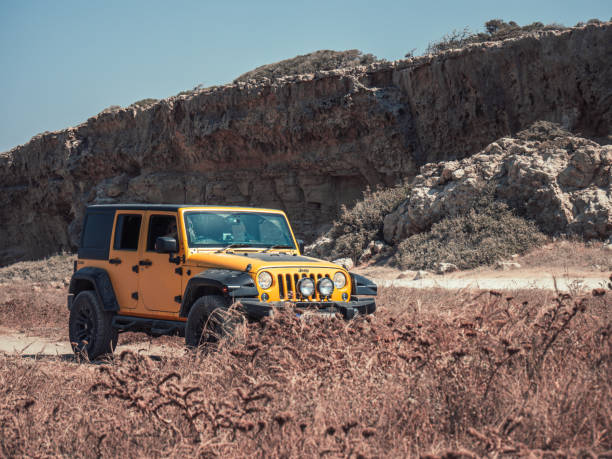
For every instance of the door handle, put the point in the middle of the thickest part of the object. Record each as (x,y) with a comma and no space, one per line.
(145,262)
(115,261)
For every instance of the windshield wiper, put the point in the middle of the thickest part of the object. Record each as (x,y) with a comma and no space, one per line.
(233,246)
(274,247)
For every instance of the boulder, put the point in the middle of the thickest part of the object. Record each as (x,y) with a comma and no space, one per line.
(346,263)
(443,268)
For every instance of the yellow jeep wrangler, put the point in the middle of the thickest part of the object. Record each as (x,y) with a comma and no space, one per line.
(172,269)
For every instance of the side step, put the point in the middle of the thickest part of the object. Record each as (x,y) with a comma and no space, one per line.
(153,327)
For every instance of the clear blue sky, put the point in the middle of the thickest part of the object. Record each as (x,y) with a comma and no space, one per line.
(62,61)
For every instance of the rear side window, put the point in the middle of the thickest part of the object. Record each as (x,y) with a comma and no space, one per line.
(95,240)
(127,232)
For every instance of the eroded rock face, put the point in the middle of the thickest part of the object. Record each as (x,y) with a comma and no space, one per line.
(561,181)
(309,143)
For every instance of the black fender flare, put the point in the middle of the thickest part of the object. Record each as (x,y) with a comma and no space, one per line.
(362,285)
(101,282)
(227,282)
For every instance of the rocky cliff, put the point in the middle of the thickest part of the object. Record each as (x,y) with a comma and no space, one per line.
(304,143)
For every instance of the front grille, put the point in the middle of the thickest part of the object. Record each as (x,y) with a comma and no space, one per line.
(287,287)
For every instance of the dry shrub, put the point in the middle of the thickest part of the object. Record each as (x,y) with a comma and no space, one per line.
(570,254)
(490,231)
(309,63)
(473,374)
(34,308)
(357,226)
(496,30)
(57,268)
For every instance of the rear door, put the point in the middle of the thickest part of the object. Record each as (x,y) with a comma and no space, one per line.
(160,281)
(123,257)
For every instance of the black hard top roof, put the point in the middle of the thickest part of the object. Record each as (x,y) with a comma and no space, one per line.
(163,207)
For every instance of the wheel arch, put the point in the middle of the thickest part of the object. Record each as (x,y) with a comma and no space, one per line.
(230,284)
(96,279)
(197,288)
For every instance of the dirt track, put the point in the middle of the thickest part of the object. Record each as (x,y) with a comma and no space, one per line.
(33,346)
(562,284)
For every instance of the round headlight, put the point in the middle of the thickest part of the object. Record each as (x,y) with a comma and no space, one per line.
(264,279)
(339,280)
(325,286)
(306,286)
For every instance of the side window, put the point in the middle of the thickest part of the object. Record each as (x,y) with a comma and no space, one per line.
(98,227)
(127,232)
(161,226)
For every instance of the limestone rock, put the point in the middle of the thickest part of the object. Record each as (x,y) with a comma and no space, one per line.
(346,263)
(561,181)
(321,248)
(443,268)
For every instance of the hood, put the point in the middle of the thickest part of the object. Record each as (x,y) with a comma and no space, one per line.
(257,260)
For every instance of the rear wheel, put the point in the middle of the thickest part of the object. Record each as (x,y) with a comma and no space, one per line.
(90,327)
(210,320)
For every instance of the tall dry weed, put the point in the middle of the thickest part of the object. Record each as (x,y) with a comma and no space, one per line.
(431,373)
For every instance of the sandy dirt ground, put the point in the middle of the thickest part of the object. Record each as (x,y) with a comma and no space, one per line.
(487,279)
(13,342)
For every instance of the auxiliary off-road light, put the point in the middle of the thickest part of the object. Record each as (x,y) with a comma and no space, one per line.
(339,280)
(264,280)
(306,286)
(325,286)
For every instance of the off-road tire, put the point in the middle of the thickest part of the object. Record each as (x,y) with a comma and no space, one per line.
(209,320)
(90,327)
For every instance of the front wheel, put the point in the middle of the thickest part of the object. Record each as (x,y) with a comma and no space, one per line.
(210,320)
(90,327)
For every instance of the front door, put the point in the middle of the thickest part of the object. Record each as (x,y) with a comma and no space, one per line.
(123,257)
(160,281)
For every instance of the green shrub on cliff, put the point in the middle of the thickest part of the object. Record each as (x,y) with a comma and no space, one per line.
(489,232)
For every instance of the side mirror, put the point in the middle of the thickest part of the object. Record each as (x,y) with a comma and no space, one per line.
(301,246)
(166,245)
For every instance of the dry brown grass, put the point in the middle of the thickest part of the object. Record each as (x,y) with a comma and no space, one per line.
(35,308)
(570,254)
(55,269)
(431,373)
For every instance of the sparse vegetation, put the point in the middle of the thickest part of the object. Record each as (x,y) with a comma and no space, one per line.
(188,92)
(57,268)
(110,109)
(570,254)
(490,231)
(435,373)
(144,103)
(309,63)
(495,30)
(356,227)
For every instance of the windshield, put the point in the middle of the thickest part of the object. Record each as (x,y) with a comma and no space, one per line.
(247,229)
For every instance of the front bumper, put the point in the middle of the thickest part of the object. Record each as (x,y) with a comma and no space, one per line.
(256,309)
